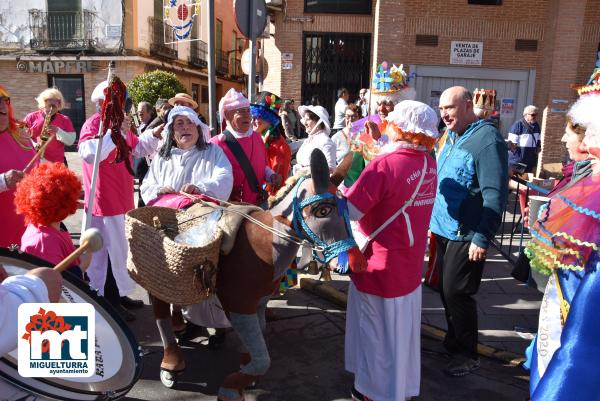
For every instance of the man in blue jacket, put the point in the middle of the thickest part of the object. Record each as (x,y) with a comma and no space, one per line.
(471,194)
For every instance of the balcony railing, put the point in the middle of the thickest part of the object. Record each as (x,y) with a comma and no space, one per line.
(62,30)
(160,35)
(198,54)
(236,69)
(222,63)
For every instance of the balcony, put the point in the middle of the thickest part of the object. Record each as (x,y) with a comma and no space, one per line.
(198,54)
(63,31)
(160,35)
(222,63)
(236,69)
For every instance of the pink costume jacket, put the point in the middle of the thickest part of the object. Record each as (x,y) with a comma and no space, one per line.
(55,152)
(395,255)
(47,243)
(114,187)
(12,157)
(254,148)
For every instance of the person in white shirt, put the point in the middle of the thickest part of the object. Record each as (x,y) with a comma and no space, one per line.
(339,110)
(187,162)
(316,122)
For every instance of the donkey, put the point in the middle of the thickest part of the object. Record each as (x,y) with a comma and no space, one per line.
(307,208)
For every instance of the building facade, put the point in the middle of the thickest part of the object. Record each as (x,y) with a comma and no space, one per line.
(530,51)
(69,43)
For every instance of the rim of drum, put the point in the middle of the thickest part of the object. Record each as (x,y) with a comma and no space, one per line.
(131,365)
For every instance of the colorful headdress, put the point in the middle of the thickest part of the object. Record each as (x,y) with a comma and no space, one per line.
(266,106)
(592,86)
(48,194)
(484,99)
(390,84)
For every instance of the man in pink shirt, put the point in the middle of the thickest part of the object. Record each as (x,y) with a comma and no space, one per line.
(245,150)
(112,199)
(51,101)
(383,320)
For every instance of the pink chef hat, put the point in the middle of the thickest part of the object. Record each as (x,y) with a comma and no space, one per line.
(232,100)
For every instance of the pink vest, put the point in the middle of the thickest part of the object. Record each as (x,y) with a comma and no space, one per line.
(55,152)
(254,148)
(395,256)
(114,186)
(12,157)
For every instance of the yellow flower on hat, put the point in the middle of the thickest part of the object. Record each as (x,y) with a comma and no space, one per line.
(397,73)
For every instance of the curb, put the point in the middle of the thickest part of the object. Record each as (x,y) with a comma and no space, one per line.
(337,297)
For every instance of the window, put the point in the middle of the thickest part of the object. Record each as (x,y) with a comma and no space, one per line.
(526,45)
(486,2)
(338,6)
(195,92)
(64,6)
(204,94)
(426,40)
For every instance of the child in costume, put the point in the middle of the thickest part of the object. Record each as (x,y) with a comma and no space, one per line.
(45,197)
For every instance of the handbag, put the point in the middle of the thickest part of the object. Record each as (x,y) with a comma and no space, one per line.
(363,240)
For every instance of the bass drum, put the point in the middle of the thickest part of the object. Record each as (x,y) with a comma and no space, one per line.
(118,355)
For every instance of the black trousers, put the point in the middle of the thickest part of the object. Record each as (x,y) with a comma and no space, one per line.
(459,281)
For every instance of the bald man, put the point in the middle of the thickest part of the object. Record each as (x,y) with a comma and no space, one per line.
(471,194)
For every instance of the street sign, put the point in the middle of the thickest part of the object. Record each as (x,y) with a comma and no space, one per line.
(243,13)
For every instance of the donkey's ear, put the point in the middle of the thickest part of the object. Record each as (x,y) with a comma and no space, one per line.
(319,170)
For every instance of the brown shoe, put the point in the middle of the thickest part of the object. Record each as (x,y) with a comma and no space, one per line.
(173,360)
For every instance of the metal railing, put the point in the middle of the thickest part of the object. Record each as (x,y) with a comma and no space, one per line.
(236,69)
(160,35)
(222,63)
(513,233)
(62,30)
(198,51)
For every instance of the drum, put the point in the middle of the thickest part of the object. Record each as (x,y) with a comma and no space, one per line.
(118,355)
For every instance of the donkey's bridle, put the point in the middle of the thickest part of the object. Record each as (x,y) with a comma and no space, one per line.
(302,229)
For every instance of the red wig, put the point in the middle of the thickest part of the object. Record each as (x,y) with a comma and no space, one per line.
(48,194)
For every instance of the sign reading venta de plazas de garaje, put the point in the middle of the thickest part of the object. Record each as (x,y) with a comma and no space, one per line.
(466,53)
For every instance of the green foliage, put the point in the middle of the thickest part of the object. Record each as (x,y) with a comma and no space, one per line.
(153,85)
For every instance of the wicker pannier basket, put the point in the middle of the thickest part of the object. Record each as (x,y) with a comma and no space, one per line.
(175,273)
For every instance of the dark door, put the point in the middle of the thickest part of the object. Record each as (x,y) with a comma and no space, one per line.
(332,61)
(71,87)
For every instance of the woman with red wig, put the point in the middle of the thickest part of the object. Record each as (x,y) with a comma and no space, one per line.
(16,150)
(45,197)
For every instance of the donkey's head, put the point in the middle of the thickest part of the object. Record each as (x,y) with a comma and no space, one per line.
(320,215)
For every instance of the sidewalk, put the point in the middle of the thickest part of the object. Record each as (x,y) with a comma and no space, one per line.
(508,310)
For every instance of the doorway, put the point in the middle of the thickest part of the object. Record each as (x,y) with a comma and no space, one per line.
(71,86)
(332,61)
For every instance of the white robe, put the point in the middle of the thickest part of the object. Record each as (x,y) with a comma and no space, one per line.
(208,169)
(318,140)
(383,344)
(112,228)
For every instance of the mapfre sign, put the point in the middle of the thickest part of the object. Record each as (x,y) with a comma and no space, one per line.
(466,53)
(56,67)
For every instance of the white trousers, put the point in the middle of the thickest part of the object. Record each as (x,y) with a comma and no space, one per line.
(383,344)
(115,246)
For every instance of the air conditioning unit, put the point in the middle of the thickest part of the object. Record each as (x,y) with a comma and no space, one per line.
(275,3)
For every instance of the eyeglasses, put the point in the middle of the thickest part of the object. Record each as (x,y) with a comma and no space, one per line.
(4,99)
(350,116)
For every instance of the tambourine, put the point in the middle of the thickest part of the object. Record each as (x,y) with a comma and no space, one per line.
(118,355)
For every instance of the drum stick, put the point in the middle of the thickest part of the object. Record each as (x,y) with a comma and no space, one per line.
(38,154)
(91,240)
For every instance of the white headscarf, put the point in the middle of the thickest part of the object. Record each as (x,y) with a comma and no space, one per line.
(191,114)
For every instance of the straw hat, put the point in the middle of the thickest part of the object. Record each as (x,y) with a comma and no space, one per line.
(185,98)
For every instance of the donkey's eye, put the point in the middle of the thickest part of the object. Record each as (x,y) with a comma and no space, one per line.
(322,211)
